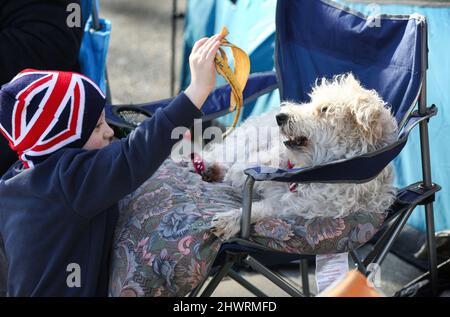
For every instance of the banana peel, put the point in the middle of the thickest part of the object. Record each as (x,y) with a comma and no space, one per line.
(237,79)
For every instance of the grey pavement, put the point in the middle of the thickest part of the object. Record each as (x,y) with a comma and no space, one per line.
(395,273)
(139,55)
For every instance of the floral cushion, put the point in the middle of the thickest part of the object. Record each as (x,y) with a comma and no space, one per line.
(164,247)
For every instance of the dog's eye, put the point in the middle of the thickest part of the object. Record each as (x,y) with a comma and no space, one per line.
(324,109)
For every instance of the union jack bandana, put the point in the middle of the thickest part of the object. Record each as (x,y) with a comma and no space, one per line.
(44,111)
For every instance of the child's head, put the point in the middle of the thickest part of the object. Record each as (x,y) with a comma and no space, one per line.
(101,136)
(44,111)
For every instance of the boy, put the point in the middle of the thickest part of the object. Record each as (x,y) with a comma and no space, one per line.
(58,203)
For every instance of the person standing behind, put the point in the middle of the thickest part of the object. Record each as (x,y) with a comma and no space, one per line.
(33,34)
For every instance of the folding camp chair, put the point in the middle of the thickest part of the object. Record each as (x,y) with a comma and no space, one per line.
(321,39)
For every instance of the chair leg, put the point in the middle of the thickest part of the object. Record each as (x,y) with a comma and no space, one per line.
(305,280)
(196,291)
(381,243)
(173,47)
(426,163)
(431,244)
(361,267)
(244,283)
(400,223)
(210,288)
(273,277)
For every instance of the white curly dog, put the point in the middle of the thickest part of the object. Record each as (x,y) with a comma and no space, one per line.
(341,121)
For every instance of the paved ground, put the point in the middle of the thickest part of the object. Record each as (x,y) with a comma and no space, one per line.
(139,56)
(395,273)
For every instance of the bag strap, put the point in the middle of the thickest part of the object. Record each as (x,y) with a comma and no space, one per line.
(95,16)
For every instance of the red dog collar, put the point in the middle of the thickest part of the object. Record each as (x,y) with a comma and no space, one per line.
(198,163)
(292,186)
(199,166)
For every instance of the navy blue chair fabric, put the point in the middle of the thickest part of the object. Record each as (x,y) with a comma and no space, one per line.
(322,38)
(217,103)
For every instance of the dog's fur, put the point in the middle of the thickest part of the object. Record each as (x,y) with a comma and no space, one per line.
(341,121)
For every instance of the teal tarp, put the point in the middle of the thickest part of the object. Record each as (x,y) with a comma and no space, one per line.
(251,24)
(252,27)
(408,165)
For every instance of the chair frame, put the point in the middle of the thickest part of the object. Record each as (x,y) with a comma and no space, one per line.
(425,195)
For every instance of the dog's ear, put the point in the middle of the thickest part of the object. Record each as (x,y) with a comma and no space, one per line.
(368,119)
(367,110)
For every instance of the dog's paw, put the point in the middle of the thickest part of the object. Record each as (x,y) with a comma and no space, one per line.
(214,173)
(226,225)
(210,172)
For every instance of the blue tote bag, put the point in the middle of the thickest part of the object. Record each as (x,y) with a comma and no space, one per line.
(95,44)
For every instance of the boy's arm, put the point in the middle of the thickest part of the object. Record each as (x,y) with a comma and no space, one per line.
(92,181)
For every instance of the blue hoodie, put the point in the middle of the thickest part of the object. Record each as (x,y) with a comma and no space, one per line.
(58,218)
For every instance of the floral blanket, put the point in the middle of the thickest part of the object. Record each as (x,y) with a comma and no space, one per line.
(164,247)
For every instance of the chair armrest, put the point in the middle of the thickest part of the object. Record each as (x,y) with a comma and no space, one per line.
(258,84)
(358,169)
(216,105)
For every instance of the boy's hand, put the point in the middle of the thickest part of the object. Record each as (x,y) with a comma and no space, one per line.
(203,73)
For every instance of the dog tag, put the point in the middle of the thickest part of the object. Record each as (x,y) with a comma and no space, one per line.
(329,268)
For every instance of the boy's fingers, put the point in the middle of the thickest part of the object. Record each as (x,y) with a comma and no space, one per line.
(199,44)
(212,52)
(215,40)
(187,135)
(207,46)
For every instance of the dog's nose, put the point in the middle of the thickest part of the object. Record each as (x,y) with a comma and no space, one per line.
(281,118)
